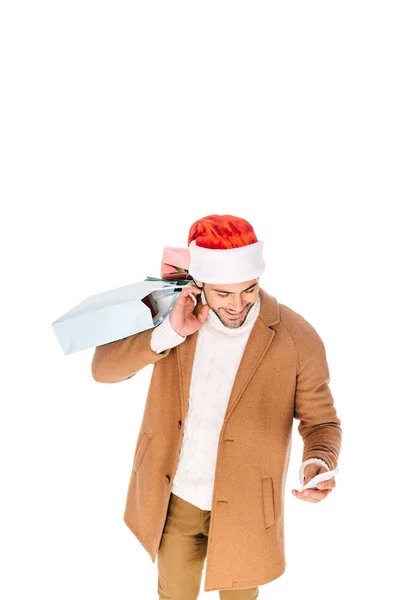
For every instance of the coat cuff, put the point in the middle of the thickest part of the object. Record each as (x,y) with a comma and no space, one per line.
(164,336)
(309,461)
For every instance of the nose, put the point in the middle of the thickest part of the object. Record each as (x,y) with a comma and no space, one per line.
(236,305)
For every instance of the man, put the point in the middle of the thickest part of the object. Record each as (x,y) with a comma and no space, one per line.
(230,375)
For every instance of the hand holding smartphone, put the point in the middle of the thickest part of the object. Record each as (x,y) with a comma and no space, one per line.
(324,476)
(182,319)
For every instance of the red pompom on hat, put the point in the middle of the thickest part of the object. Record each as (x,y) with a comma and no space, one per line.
(224,249)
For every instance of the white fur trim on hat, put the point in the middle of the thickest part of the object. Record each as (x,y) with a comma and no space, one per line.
(232,265)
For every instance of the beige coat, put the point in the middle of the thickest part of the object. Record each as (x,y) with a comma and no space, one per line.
(283,375)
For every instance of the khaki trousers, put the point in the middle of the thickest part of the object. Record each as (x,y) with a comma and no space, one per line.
(182,552)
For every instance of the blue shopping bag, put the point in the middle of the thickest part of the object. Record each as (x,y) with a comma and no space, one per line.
(117,313)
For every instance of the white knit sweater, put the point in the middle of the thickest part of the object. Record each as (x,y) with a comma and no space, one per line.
(210,388)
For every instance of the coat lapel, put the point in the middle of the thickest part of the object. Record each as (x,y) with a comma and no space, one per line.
(257,346)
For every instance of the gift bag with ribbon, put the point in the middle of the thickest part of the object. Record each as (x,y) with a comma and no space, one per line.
(117,313)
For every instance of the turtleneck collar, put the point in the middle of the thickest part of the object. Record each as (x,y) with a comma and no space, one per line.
(214,322)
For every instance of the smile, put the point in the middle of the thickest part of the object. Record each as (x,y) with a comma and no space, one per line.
(233,315)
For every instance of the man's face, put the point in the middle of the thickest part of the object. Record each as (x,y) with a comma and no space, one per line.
(231,303)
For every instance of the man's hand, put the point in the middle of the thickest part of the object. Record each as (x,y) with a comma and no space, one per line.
(182,319)
(324,487)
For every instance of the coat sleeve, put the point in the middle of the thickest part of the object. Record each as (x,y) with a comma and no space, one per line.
(122,359)
(319,426)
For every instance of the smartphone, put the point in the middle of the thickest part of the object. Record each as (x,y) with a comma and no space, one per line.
(312,484)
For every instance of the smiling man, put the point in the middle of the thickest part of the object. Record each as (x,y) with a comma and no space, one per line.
(231,303)
(232,368)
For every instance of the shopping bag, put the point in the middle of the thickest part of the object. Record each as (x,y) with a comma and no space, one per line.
(117,313)
(175,263)
(164,298)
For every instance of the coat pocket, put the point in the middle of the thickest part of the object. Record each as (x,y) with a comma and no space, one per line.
(140,452)
(268,501)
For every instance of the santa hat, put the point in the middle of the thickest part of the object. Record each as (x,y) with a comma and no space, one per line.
(224,249)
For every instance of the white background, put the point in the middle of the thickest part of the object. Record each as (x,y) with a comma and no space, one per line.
(121,124)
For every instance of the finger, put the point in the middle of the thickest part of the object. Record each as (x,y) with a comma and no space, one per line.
(189,293)
(186,293)
(312,495)
(202,316)
(310,472)
(190,289)
(329,484)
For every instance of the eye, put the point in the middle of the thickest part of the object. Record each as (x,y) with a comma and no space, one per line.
(246,292)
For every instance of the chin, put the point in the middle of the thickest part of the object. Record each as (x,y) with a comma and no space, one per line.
(234,323)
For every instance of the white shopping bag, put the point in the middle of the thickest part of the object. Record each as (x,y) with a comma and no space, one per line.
(116,314)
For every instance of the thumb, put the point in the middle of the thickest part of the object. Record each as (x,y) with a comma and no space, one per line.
(203,313)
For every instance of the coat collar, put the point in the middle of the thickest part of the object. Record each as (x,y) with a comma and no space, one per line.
(257,346)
